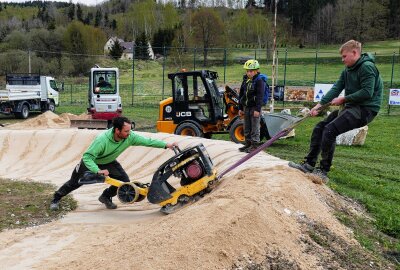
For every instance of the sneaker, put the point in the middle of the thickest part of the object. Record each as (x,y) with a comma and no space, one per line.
(55,205)
(321,174)
(244,147)
(108,202)
(303,166)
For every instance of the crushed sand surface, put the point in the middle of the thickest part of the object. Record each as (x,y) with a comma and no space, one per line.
(259,208)
(49,120)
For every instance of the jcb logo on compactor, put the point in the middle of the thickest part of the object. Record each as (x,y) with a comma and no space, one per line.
(183,114)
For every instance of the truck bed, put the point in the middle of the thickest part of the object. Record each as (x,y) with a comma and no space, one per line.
(20,92)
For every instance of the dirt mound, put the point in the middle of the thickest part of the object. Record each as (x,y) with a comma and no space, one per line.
(262,213)
(48,120)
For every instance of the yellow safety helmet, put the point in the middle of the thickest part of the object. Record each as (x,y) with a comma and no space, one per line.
(251,64)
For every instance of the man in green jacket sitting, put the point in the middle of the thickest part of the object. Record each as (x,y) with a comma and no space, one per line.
(101,157)
(362,101)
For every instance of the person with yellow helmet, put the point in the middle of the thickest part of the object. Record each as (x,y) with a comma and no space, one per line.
(250,101)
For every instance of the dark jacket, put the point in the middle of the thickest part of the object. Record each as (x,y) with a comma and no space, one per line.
(362,83)
(250,96)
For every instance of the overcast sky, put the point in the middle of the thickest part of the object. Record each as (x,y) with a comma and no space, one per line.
(86,2)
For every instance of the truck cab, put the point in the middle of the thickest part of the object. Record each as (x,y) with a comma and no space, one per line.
(104,99)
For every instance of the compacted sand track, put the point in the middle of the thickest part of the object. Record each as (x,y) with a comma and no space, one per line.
(260,210)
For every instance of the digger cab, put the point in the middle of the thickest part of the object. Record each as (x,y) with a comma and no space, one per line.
(196,97)
(196,107)
(104,99)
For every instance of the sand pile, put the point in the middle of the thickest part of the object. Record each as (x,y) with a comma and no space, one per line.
(261,212)
(48,120)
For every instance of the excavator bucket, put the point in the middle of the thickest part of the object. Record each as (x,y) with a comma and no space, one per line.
(89,123)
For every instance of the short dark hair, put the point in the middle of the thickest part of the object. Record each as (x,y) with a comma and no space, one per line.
(119,121)
(101,78)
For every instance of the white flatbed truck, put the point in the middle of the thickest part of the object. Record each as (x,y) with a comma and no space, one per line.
(27,93)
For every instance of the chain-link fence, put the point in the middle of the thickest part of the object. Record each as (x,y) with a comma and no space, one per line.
(147,83)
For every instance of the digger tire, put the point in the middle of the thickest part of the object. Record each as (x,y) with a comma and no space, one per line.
(189,129)
(236,132)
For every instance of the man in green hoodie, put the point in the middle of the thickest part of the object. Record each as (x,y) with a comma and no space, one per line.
(100,158)
(361,101)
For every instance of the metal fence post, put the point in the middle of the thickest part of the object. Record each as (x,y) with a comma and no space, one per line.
(315,68)
(391,79)
(70,93)
(194,58)
(284,78)
(163,72)
(224,65)
(133,71)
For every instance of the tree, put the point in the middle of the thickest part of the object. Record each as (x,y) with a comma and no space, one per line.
(47,43)
(142,17)
(239,28)
(208,30)
(74,40)
(250,3)
(114,24)
(79,13)
(106,21)
(373,23)
(71,12)
(262,29)
(89,18)
(323,26)
(142,47)
(182,4)
(182,40)
(17,40)
(394,19)
(169,16)
(98,17)
(13,61)
(116,50)
(346,20)
(162,38)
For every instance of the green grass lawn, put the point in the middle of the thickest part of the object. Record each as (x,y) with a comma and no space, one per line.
(25,204)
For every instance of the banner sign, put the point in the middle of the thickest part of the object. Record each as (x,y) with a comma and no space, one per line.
(321,89)
(394,97)
(299,93)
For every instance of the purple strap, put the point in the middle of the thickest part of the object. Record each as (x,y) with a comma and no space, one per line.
(278,135)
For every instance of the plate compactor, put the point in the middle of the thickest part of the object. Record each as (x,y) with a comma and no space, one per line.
(192,166)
